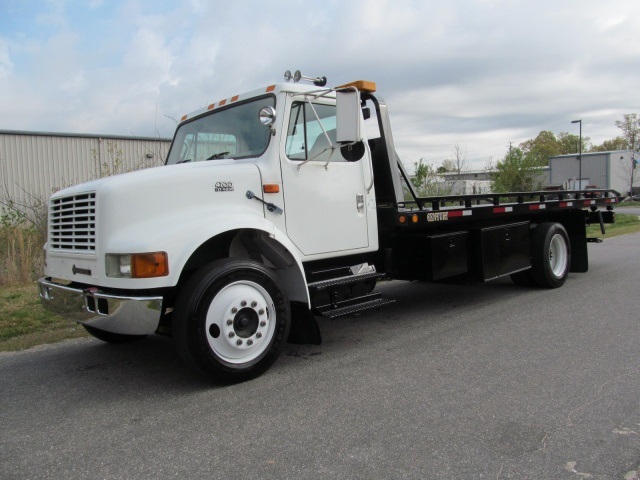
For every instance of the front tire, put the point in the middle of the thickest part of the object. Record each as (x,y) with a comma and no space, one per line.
(551,255)
(231,320)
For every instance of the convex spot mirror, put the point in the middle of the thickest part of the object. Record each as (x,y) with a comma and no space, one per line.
(267,116)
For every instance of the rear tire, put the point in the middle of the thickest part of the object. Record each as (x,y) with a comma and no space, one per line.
(231,320)
(551,252)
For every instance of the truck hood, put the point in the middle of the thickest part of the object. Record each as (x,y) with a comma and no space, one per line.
(156,175)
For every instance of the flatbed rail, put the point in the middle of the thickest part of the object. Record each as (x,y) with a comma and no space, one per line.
(543,196)
(425,210)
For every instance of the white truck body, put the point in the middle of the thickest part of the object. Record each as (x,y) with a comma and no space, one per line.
(260,192)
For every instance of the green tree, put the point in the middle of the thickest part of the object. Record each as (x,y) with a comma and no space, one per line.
(448,165)
(542,147)
(427,181)
(614,144)
(570,143)
(518,172)
(547,144)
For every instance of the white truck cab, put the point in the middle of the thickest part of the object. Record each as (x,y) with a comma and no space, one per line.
(266,179)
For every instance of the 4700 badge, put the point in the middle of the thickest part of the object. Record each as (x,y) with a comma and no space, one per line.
(224,186)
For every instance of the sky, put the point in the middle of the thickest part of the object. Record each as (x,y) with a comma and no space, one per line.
(479,74)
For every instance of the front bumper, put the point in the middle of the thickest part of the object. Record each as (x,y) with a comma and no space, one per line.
(112,313)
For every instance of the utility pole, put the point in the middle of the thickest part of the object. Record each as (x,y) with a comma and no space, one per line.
(579,156)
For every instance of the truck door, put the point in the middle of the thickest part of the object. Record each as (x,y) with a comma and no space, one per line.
(325,195)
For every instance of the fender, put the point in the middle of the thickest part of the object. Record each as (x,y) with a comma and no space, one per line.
(200,225)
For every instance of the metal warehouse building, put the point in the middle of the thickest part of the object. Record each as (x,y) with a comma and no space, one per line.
(34,164)
(603,169)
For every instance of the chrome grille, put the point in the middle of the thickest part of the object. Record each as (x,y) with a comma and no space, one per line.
(72,223)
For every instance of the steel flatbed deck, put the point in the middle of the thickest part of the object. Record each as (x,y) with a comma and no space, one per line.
(463,208)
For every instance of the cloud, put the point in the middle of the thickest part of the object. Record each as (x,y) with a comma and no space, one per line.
(6,65)
(477,73)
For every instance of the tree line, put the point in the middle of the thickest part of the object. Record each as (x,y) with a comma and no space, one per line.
(520,169)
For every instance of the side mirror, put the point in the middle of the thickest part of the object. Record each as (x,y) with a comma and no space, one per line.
(348,117)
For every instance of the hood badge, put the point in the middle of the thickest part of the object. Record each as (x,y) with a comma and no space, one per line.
(224,186)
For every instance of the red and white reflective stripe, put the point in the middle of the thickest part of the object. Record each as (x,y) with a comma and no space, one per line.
(566,204)
(610,200)
(539,206)
(589,202)
(460,213)
(502,209)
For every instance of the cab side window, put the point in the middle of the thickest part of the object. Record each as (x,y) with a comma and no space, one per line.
(306,139)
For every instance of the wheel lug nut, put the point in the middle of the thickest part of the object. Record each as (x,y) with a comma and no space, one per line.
(249,342)
(231,334)
(261,312)
(258,335)
(254,304)
(234,310)
(243,303)
(263,323)
(239,342)
(229,322)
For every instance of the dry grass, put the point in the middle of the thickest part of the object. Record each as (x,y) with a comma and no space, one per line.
(25,323)
(21,255)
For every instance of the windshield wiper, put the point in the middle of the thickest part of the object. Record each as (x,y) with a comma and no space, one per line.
(184,161)
(217,156)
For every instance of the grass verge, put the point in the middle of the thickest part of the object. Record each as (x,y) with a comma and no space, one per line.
(625,224)
(24,322)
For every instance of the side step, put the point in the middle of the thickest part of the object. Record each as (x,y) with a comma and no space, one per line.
(354,305)
(348,280)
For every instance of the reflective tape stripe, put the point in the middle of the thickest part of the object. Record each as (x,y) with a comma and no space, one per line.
(460,213)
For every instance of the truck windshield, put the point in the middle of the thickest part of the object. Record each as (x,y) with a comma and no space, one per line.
(233,132)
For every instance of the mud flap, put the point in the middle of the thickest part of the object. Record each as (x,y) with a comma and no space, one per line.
(304,327)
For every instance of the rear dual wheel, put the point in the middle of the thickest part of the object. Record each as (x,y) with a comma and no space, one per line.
(551,257)
(231,320)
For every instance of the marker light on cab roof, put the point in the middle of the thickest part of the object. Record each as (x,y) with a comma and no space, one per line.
(362,85)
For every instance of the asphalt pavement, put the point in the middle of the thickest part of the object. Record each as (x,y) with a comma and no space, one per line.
(451,382)
(628,210)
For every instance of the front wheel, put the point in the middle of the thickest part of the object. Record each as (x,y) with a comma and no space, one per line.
(551,255)
(231,320)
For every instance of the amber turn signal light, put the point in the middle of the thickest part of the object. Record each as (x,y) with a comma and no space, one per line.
(149,265)
(271,188)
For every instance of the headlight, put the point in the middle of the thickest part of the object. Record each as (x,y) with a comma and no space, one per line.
(137,265)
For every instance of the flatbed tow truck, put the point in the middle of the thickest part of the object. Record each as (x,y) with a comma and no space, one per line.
(277,206)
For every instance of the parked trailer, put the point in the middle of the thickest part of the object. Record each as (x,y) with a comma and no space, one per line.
(277,206)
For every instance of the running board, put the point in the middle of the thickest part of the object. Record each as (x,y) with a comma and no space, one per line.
(354,305)
(348,280)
